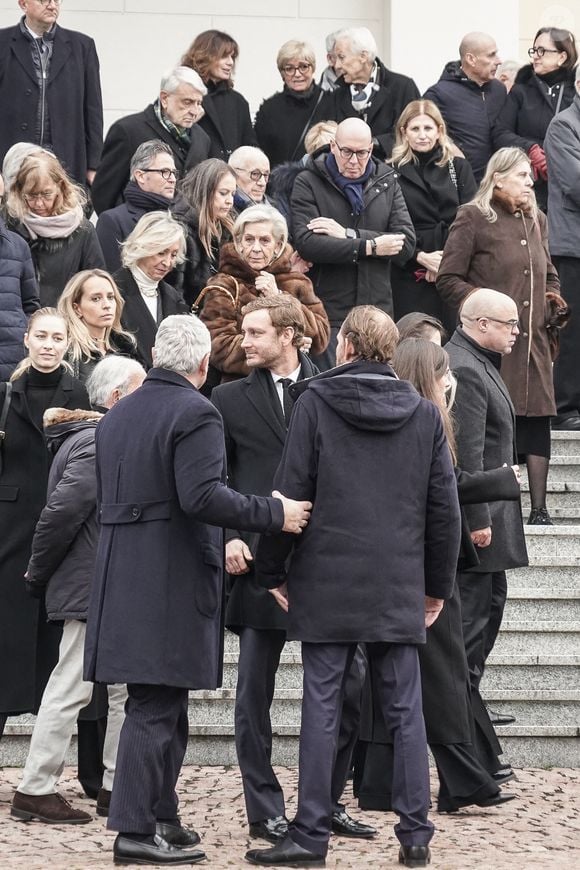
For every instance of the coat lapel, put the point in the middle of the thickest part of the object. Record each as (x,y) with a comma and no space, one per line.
(259,395)
(137,319)
(21,48)
(61,52)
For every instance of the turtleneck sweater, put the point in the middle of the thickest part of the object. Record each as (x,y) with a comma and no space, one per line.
(40,389)
(148,288)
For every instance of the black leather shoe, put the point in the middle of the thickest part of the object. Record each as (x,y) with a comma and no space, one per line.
(287,853)
(126,851)
(567,424)
(504,774)
(414,856)
(500,718)
(273,830)
(345,826)
(177,835)
(496,800)
(539,517)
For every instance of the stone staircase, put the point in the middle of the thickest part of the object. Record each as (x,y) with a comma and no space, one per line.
(533,673)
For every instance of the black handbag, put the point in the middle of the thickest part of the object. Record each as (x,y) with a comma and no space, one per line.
(3,416)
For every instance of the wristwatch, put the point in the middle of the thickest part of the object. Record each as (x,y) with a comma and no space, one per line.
(350,233)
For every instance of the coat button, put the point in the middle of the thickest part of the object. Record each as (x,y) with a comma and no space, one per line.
(523,242)
(28,92)
(525,334)
(136,512)
(517,214)
(24,126)
(526,303)
(526,271)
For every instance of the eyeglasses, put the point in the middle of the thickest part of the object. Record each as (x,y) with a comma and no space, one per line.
(45,196)
(348,153)
(165,174)
(301,68)
(540,51)
(513,324)
(44,3)
(254,174)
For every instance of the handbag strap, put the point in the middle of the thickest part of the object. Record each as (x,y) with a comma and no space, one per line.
(197,304)
(306,127)
(3,417)
(452,173)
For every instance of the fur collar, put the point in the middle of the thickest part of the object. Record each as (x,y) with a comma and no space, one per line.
(232,264)
(55,416)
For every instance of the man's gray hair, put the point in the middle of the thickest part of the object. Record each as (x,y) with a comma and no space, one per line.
(111,373)
(360,39)
(146,154)
(331,40)
(181,343)
(181,75)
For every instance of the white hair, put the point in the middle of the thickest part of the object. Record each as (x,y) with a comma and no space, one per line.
(261,213)
(181,343)
(331,40)
(15,157)
(153,233)
(111,373)
(179,75)
(360,39)
(244,154)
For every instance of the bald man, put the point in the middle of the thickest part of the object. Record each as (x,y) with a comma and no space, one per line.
(470,98)
(350,220)
(485,423)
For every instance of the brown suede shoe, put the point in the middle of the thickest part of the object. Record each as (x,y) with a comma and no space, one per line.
(50,808)
(103,802)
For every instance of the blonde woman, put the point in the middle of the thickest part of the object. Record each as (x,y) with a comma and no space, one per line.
(434,184)
(28,644)
(500,240)
(46,208)
(92,307)
(148,254)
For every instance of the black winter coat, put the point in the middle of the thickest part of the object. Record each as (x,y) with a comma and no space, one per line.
(343,275)
(26,647)
(136,317)
(73,97)
(470,113)
(395,92)
(528,110)
(360,441)
(156,608)
(283,120)
(255,432)
(226,121)
(57,260)
(18,297)
(64,546)
(123,139)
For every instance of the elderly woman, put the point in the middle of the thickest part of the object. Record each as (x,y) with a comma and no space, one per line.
(46,208)
(541,90)
(92,307)
(434,184)
(256,263)
(499,240)
(284,119)
(149,253)
(227,122)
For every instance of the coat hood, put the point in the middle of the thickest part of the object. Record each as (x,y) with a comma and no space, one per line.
(59,423)
(367,395)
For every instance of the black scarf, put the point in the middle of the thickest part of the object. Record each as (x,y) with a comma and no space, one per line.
(144,200)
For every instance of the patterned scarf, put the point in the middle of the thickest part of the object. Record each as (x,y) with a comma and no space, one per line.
(180,134)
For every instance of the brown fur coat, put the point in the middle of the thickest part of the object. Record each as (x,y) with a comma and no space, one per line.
(221,310)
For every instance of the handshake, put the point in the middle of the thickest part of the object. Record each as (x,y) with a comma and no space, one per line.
(296,513)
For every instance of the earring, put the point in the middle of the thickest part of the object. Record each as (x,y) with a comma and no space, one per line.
(499,184)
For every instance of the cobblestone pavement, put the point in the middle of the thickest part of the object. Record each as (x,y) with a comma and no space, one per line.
(540,829)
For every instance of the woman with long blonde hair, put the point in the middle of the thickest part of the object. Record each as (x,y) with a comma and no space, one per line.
(28,644)
(92,306)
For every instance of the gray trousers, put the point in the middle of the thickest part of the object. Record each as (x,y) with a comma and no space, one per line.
(65,695)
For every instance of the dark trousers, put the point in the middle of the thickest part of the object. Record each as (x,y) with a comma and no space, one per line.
(326,667)
(151,751)
(567,366)
(483,598)
(258,661)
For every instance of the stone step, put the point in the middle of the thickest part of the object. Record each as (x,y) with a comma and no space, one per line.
(561,544)
(538,637)
(528,603)
(563,469)
(542,673)
(539,707)
(546,574)
(565,443)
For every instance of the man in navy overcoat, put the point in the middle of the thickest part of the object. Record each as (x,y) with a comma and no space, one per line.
(155,616)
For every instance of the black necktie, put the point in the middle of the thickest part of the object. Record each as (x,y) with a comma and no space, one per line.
(286,398)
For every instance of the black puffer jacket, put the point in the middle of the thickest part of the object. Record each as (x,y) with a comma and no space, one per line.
(343,275)
(57,260)
(65,541)
(470,112)
(18,297)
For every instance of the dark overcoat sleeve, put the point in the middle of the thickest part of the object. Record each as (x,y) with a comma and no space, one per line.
(109,234)
(92,254)
(113,170)
(315,247)
(29,292)
(202,495)
(496,484)
(442,520)
(93,107)
(230,445)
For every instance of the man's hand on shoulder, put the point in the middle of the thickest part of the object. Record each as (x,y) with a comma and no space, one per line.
(296,513)
(238,557)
